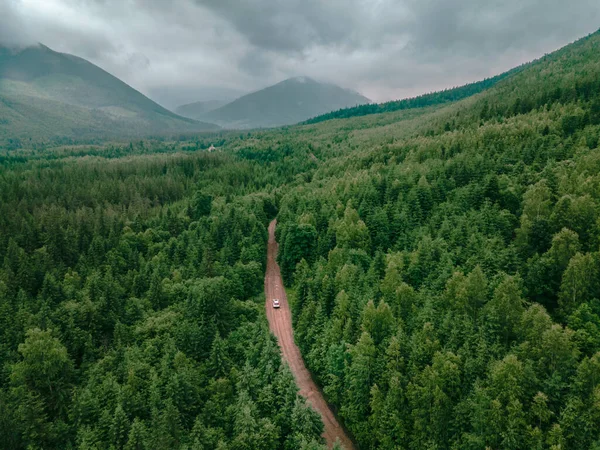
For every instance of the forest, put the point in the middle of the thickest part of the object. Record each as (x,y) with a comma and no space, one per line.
(421,101)
(130,305)
(442,264)
(446,272)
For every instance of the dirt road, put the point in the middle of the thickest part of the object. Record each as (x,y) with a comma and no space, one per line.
(280,322)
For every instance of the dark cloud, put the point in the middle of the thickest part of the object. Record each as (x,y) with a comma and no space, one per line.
(295,26)
(473,27)
(186,50)
(286,25)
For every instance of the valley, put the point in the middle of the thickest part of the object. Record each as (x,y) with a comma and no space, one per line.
(436,261)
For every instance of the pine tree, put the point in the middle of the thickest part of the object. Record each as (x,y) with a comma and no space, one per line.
(360,377)
(137,436)
(579,283)
(120,428)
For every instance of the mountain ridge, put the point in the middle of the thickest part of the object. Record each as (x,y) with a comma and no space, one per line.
(285,103)
(91,101)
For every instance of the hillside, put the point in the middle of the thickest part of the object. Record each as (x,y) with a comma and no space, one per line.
(448,256)
(447,287)
(198,110)
(421,101)
(44,93)
(285,103)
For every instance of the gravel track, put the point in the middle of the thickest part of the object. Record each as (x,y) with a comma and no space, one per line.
(280,322)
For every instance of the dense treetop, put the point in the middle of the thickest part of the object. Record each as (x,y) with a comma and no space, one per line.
(130,304)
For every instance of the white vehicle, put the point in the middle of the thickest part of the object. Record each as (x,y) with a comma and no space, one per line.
(276,303)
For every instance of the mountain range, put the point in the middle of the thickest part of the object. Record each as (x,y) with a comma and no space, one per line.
(44,93)
(288,102)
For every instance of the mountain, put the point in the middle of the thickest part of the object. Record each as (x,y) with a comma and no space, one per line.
(44,93)
(198,110)
(288,102)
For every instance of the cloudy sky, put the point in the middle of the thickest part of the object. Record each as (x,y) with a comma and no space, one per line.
(178,51)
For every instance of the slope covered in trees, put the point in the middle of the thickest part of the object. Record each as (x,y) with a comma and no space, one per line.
(446,270)
(421,101)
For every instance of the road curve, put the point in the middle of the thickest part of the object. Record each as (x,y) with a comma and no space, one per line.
(280,322)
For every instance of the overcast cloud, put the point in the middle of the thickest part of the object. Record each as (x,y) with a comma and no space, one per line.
(180,51)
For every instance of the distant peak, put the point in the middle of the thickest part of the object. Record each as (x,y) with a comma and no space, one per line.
(20,48)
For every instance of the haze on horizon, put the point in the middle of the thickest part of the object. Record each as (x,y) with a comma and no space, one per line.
(189,50)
